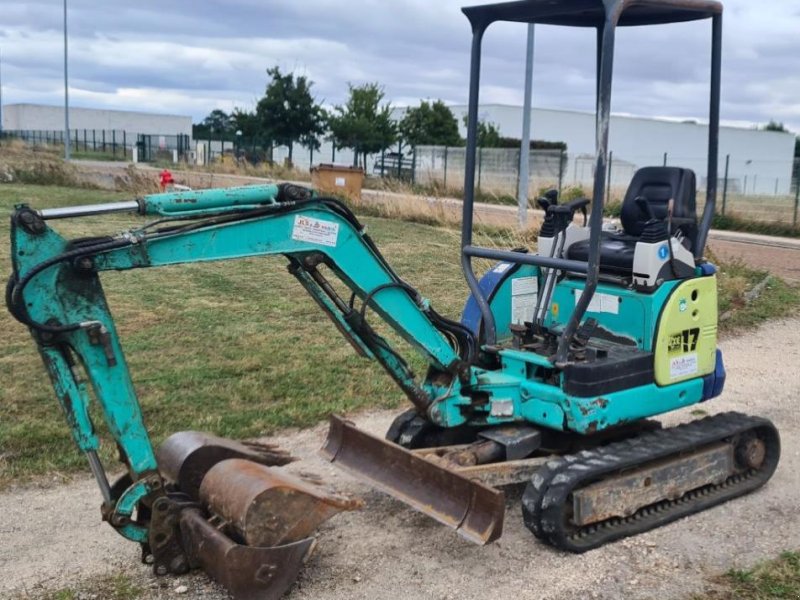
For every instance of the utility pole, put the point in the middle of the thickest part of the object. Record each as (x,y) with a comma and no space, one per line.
(1,96)
(66,89)
(525,146)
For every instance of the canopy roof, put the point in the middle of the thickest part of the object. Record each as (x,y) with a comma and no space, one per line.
(592,13)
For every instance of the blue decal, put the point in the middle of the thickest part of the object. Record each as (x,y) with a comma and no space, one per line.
(663,252)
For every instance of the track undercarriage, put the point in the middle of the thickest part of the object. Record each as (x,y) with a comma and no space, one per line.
(628,481)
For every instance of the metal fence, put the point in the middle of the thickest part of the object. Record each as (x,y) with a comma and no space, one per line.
(109,144)
(756,189)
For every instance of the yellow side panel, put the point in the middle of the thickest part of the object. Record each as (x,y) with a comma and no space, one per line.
(686,340)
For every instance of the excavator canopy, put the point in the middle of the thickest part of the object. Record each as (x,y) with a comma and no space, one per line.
(593,13)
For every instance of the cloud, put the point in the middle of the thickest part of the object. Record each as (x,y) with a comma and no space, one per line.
(189,57)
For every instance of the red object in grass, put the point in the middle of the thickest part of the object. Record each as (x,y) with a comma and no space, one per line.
(165,179)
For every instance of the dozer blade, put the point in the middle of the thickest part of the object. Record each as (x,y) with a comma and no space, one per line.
(248,572)
(185,457)
(474,510)
(267,507)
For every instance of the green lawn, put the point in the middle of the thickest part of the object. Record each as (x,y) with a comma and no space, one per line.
(236,348)
(233,347)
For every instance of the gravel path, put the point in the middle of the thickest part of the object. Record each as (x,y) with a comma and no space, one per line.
(52,535)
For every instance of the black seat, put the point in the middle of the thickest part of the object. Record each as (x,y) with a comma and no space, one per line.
(658,185)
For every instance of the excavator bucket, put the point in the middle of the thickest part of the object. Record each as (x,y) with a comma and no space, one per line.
(474,510)
(249,525)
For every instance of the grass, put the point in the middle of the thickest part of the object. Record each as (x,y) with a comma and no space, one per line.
(737,223)
(772,580)
(237,347)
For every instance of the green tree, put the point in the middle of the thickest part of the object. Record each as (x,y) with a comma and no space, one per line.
(288,113)
(218,123)
(488,134)
(774,126)
(363,124)
(430,124)
(246,122)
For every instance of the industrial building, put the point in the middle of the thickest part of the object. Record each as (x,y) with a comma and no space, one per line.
(760,161)
(40,117)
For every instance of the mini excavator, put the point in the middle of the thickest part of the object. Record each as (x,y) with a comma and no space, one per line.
(550,378)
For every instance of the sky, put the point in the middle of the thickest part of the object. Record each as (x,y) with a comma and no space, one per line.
(183,57)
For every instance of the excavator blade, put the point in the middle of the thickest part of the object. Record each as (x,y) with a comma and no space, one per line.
(474,510)
(248,525)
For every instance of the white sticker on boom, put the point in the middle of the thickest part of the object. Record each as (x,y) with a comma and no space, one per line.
(317,231)
(524,294)
(681,366)
(339,182)
(502,268)
(607,303)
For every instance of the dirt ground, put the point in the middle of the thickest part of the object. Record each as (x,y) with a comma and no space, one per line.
(52,535)
(783,261)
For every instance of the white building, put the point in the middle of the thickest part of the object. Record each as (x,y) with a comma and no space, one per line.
(760,161)
(39,117)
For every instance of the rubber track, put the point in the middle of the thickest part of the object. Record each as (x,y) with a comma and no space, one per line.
(550,488)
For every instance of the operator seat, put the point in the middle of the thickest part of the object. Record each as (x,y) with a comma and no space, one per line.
(658,185)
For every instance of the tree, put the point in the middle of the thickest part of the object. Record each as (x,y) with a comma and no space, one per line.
(288,113)
(246,122)
(774,126)
(217,122)
(488,134)
(430,124)
(363,124)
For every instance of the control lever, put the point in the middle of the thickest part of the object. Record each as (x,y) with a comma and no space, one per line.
(549,199)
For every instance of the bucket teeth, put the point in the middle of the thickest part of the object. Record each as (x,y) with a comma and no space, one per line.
(185,457)
(267,507)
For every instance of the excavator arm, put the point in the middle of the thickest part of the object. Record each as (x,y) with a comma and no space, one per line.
(55,290)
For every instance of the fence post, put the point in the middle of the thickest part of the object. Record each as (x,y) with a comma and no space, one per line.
(413,165)
(333,152)
(399,160)
(796,198)
(94,141)
(608,183)
(114,143)
(85,143)
(561,159)
(104,141)
(124,144)
(665,159)
(445,169)
(311,156)
(725,183)
(480,165)
(383,161)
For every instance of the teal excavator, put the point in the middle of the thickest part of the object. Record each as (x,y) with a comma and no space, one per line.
(551,378)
